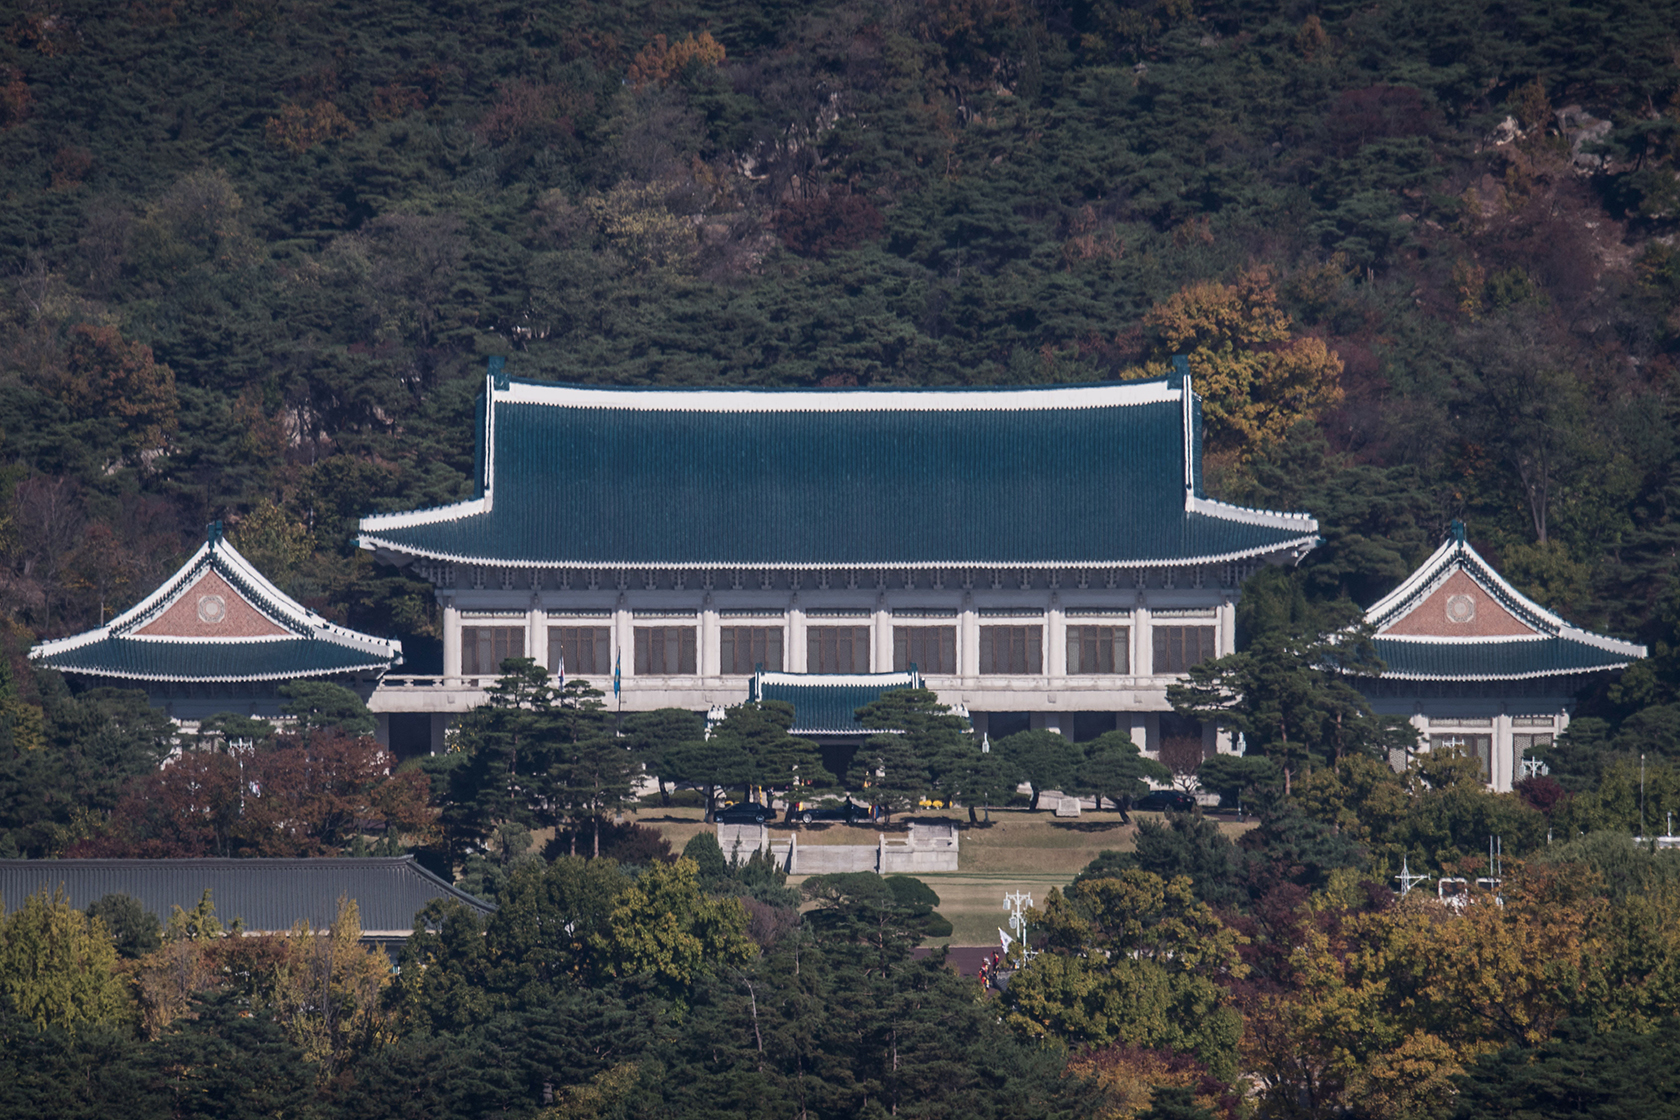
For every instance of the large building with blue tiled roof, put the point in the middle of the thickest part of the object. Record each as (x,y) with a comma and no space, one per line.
(1477,665)
(1043,557)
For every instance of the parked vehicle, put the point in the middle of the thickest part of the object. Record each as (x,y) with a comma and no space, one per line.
(743,812)
(848,811)
(1162,800)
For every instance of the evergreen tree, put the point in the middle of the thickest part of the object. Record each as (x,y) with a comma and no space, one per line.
(1288,691)
(1045,758)
(778,760)
(134,930)
(324,704)
(976,778)
(652,734)
(1113,767)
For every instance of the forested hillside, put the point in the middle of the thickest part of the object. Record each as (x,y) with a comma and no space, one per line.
(1420,253)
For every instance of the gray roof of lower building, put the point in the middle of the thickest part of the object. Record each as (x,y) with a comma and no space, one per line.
(262,894)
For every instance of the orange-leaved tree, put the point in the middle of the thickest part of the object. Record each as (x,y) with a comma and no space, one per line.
(109,377)
(1255,377)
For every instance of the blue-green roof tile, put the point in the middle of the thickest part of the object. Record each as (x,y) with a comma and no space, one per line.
(1085,475)
(262,894)
(1493,659)
(159,660)
(827,704)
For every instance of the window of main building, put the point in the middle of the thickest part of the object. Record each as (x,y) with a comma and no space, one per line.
(931,649)
(1179,647)
(484,648)
(744,648)
(1013,650)
(667,651)
(837,649)
(587,649)
(1099,649)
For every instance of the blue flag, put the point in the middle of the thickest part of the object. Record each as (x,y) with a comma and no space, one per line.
(618,669)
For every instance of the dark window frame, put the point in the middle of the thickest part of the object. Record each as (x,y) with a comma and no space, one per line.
(1021,648)
(478,642)
(837,649)
(931,649)
(1101,650)
(1177,648)
(764,645)
(649,640)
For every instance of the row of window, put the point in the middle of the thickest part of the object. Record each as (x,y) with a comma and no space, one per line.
(673,650)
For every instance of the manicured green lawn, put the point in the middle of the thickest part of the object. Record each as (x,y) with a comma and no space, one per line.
(1021,850)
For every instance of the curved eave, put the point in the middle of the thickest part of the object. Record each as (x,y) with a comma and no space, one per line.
(1471,679)
(1468,660)
(205,678)
(174,662)
(396,549)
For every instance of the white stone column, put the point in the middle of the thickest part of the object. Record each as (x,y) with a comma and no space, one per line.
(794,648)
(708,658)
(1227,626)
(624,649)
(968,638)
(1055,639)
(1140,730)
(880,638)
(1143,642)
(451,637)
(536,633)
(1502,756)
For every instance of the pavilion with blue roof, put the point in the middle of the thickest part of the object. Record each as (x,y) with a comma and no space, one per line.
(216,637)
(1477,665)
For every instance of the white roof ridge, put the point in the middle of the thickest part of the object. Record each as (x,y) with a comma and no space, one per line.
(374,543)
(1271,519)
(1458,555)
(1108,394)
(782,676)
(431,515)
(1600,641)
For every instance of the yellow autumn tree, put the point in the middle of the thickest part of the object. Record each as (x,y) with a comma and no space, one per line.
(1386,1008)
(1255,377)
(58,966)
(635,220)
(327,989)
(667,928)
(660,61)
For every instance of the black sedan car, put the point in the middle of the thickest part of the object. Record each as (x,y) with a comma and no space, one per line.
(847,811)
(743,812)
(1162,800)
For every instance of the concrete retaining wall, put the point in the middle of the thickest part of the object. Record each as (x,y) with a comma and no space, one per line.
(928,848)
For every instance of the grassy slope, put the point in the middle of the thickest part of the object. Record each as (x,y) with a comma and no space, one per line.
(1024,851)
